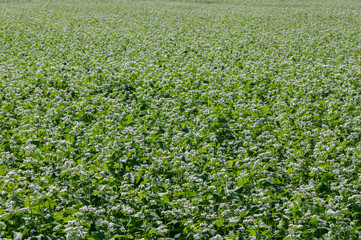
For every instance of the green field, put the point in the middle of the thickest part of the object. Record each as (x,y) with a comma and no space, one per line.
(180,119)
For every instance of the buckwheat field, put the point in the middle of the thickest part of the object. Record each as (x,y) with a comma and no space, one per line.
(180,119)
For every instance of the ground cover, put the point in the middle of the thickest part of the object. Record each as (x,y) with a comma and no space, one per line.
(186,119)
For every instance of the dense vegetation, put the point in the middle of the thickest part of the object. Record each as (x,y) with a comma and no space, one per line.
(186,119)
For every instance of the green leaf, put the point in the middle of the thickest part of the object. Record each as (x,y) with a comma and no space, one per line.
(219,222)
(141,195)
(153,230)
(242,181)
(206,165)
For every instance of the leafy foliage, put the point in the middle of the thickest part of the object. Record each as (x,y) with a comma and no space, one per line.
(192,119)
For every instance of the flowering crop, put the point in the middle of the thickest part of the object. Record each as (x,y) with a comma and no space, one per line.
(189,119)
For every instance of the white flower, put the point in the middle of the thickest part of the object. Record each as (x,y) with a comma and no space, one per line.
(56,228)
(217,237)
